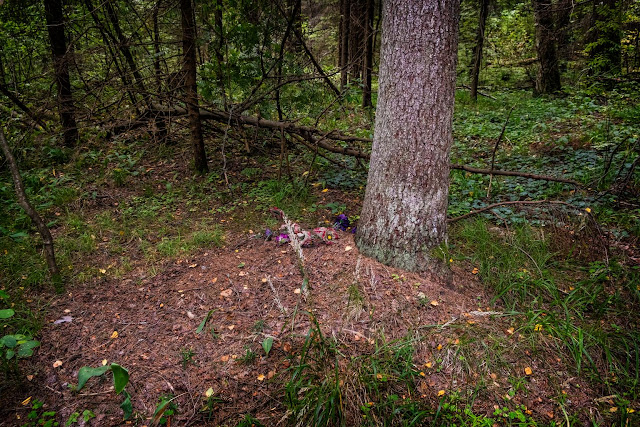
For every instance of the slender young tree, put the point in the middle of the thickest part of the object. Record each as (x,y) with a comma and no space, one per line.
(367,69)
(477,49)
(605,49)
(189,68)
(55,28)
(404,212)
(548,79)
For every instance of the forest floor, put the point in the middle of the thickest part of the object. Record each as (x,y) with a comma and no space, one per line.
(174,281)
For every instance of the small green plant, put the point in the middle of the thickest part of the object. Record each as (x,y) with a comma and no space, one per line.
(120,381)
(38,417)
(258,326)
(186,355)
(249,356)
(75,417)
(249,421)
(13,346)
(164,411)
(267,343)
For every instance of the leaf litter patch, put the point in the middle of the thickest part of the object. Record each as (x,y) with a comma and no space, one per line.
(219,332)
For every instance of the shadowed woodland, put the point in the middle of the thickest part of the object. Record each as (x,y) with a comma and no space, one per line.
(319,212)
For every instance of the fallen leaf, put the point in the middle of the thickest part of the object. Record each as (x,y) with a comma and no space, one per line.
(537,328)
(193,265)
(224,359)
(214,280)
(190,315)
(242,273)
(226,293)
(441,393)
(347,248)
(325,190)
(613,409)
(209,392)
(379,376)
(264,280)
(510,331)
(26,401)
(29,377)
(67,311)
(439,347)
(528,371)
(475,270)
(296,291)
(104,362)
(261,377)
(286,347)
(57,363)
(114,335)
(103,271)
(230,327)
(434,303)
(422,374)
(271,374)
(63,319)
(428,364)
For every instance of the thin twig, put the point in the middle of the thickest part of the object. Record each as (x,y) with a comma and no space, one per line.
(495,148)
(516,202)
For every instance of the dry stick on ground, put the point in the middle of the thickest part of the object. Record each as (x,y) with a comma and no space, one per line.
(481,93)
(515,202)
(495,148)
(47,239)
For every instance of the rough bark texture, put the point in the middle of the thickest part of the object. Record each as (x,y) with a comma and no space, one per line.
(477,49)
(189,67)
(47,239)
(55,28)
(548,79)
(404,212)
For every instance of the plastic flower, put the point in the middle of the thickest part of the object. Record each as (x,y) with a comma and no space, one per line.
(282,238)
(268,234)
(341,222)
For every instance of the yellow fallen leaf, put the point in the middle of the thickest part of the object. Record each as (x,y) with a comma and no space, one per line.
(379,376)
(528,370)
(209,392)
(613,409)
(538,328)
(230,327)
(214,280)
(428,364)
(224,359)
(588,210)
(57,363)
(434,303)
(325,190)
(264,280)
(439,347)
(475,270)
(296,291)
(193,265)
(114,335)
(441,393)
(347,248)
(261,377)
(103,271)
(104,362)
(510,331)
(630,410)
(422,374)
(26,401)
(450,259)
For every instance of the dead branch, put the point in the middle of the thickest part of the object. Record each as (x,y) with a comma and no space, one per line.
(516,202)
(515,173)
(6,92)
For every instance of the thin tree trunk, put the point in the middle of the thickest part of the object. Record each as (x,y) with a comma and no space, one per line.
(563,35)
(606,51)
(477,49)
(161,124)
(189,67)
(404,214)
(344,43)
(55,28)
(548,79)
(47,239)
(219,52)
(368,56)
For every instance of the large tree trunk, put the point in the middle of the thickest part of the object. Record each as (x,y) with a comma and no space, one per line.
(548,79)
(189,67)
(564,9)
(477,49)
(404,212)
(55,28)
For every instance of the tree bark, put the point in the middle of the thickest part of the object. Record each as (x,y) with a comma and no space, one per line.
(477,49)
(548,78)
(345,20)
(564,9)
(404,211)
(55,28)
(23,201)
(189,67)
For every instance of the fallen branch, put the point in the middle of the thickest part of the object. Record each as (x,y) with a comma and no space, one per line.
(6,92)
(515,202)
(515,173)
(480,93)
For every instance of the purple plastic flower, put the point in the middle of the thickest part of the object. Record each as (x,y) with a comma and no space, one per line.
(282,238)
(268,234)
(341,222)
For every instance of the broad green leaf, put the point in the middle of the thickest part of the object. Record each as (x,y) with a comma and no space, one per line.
(26,349)
(9,341)
(162,406)
(120,377)
(204,322)
(126,406)
(6,313)
(3,294)
(267,344)
(87,372)
(10,354)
